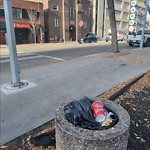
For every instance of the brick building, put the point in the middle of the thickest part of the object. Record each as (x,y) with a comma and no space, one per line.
(27,16)
(45,2)
(68,20)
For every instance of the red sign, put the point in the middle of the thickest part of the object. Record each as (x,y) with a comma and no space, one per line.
(21,25)
(120,32)
(81,23)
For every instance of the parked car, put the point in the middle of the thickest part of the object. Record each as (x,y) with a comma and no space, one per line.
(135,38)
(88,38)
(120,37)
(108,38)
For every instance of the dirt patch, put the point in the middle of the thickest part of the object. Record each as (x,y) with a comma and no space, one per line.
(136,100)
(29,140)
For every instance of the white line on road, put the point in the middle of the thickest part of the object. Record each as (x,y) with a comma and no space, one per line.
(50,57)
(92,55)
(32,57)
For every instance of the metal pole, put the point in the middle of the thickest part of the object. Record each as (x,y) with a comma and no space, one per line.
(137,18)
(103,19)
(144,24)
(63,18)
(15,78)
(76,20)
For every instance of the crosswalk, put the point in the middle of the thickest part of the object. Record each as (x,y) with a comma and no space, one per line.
(29,56)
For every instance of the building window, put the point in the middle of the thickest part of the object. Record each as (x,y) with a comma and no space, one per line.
(55,7)
(117,4)
(71,12)
(107,13)
(117,14)
(85,12)
(25,14)
(17,13)
(126,6)
(33,14)
(118,24)
(79,1)
(56,22)
(124,25)
(125,16)
(2,13)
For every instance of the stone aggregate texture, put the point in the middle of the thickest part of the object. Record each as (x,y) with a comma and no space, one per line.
(69,137)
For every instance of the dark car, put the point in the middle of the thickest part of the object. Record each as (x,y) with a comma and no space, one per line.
(88,38)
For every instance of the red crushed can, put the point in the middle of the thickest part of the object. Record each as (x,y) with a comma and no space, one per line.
(98,111)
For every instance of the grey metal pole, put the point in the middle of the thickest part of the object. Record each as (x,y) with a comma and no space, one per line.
(77,24)
(144,24)
(10,37)
(136,24)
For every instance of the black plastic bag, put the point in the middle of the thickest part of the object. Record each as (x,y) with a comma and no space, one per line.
(80,114)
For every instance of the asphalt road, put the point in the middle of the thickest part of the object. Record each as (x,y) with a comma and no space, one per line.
(47,57)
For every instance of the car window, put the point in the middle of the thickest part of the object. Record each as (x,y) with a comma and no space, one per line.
(93,35)
(90,35)
(139,32)
(145,32)
(86,35)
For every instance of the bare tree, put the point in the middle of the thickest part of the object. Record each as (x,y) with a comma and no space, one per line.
(148,6)
(33,22)
(114,41)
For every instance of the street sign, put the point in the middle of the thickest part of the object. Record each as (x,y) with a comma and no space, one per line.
(131,22)
(131,28)
(81,23)
(132,16)
(133,3)
(133,9)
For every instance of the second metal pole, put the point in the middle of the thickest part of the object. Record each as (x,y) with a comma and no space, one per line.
(144,24)
(10,37)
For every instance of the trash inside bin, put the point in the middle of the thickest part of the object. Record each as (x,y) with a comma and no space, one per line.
(88,114)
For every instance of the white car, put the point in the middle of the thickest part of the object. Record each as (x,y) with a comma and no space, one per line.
(120,37)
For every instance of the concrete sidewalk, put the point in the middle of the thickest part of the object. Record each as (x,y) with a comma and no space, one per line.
(68,80)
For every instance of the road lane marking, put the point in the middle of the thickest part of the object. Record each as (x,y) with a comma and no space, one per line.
(92,55)
(56,58)
(32,57)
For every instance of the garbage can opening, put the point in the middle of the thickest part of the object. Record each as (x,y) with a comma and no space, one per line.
(89,114)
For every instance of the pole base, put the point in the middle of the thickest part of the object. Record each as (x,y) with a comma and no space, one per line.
(12,87)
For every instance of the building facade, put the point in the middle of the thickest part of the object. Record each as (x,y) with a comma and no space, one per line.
(28,18)
(68,20)
(122,12)
(45,2)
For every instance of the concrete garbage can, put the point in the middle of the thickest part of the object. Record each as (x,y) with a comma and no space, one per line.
(69,137)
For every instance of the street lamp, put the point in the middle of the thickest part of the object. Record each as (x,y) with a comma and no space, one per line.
(136,24)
